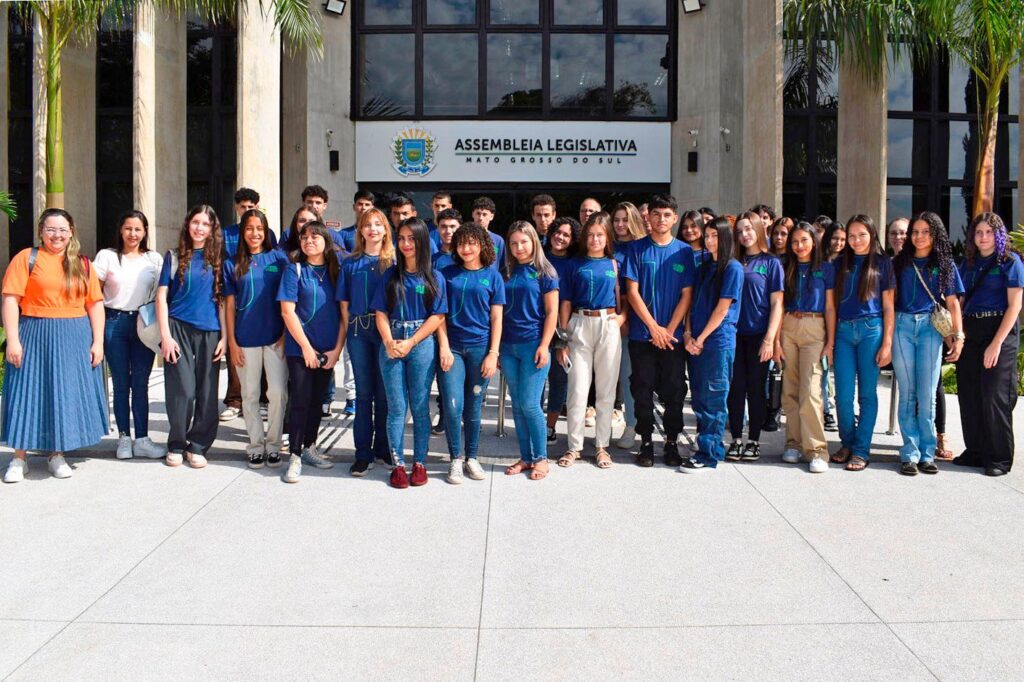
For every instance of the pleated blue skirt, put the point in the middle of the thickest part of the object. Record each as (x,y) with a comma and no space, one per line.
(56,401)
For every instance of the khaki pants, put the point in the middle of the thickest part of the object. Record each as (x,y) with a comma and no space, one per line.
(256,359)
(595,346)
(802,342)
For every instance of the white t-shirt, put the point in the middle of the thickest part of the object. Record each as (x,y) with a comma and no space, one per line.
(128,284)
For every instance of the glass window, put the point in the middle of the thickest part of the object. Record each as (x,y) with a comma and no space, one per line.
(900,148)
(525,12)
(579,12)
(642,12)
(962,94)
(794,141)
(577,73)
(387,82)
(1013,91)
(901,84)
(826,142)
(827,69)
(641,76)
(961,166)
(514,73)
(387,12)
(450,74)
(451,12)
(958,200)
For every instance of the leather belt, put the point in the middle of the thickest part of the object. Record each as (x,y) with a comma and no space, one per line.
(799,314)
(595,313)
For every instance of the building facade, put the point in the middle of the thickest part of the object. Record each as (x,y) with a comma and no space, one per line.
(614,99)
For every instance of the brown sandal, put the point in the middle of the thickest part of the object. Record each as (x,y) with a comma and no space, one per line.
(941,451)
(568,459)
(604,460)
(842,456)
(857,463)
(539,470)
(518,468)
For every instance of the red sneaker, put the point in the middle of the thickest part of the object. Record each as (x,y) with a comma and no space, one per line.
(399,479)
(419,474)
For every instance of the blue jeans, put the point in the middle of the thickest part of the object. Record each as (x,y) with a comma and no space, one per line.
(131,363)
(857,344)
(369,432)
(525,386)
(407,385)
(710,377)
(917,363)
(463,390)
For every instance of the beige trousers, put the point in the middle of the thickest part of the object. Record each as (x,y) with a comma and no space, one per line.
(256,359)
(595,346)
(802,342)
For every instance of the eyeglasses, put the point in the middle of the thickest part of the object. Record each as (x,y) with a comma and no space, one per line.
(57,230)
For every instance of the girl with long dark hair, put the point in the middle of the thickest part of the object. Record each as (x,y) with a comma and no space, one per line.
(410,305)
(711,341)
(865,293)
(925,274)
(190,310)
(993,278)
(563,238)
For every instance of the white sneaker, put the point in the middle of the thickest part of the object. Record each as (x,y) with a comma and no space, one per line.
(124,447)
(818,465)
(627,441)
(455,471)
(58,467)
(229,413)
(313,457)
(473,469)
(145,447)
(791,456)
(294,471)
(17,470)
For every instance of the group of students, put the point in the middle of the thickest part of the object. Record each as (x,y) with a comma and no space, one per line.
(635,302)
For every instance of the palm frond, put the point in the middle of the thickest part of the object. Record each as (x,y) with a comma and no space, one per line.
(8,206)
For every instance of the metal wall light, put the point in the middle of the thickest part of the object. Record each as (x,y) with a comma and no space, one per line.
(336,7)
(691,6)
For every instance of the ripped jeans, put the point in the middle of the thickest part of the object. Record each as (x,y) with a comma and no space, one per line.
(463,390)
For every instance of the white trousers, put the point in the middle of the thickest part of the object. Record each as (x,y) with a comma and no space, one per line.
(595,347)
(256,359)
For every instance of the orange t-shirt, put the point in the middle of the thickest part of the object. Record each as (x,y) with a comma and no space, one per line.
(43,294)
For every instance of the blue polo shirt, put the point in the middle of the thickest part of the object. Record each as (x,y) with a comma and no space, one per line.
(313,296)
(661,273)
(591,283)
(910,295)
(850,307)
(563,266)
(705,301)
(995,279)
(357,283)
(232,235)
(258,320)
(442,259)
(811,286)
(762,277)
(524,304)
(413,306)
(499,249)
(622,250)
(471,293)
(347,238)
(191,301)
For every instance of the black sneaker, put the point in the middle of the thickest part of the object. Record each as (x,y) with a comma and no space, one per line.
(751,452)
(830,422)
(928,467)
(671,454)
(771,422)
(359,467)
(257,460)
(552,436)
(692,464)
(645,457)
(994,471)
(325,410)
(734,451)
(273,459)
(438,427)
(908,469)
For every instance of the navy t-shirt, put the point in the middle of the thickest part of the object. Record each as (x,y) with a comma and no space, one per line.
(563,266)
(499,249)
(347,238)
(258,320)
(661,273)
(442,259)
(990,294)
(911,296)
(591,283)
(360,276)
(705,301)
(524,304)
(762,277)
(313,296)
(191,301)
(232,235)
(471,293)
(851,307)
(811,287)
(413,306)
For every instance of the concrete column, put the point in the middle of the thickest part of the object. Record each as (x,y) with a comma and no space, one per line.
(5,225)
(862,145)
(762,103)
(38,127)
(160,168)
(79,99)
(1019,217)
(259,110)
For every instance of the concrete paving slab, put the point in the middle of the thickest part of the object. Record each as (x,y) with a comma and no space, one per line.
(922,548)
(66,542)
(19,639)
(650,547)
(807,652)
(93,651)
(989,650)
(330,550)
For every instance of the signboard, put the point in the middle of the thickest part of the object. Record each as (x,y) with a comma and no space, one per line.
(513,151)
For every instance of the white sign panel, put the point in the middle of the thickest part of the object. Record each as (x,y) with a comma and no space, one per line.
(513,151)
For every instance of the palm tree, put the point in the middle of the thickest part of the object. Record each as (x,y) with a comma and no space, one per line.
(7,206)
(986,35)
(62,21)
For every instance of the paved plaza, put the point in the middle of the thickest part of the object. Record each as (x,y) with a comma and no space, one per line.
(133,570)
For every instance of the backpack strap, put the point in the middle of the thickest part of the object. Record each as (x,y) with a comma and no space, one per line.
(32,259)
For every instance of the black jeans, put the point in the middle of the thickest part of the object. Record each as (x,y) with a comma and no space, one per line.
(305,391)
(749,381)
(987,396)
(657,371)
(940,400)
(191,390)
